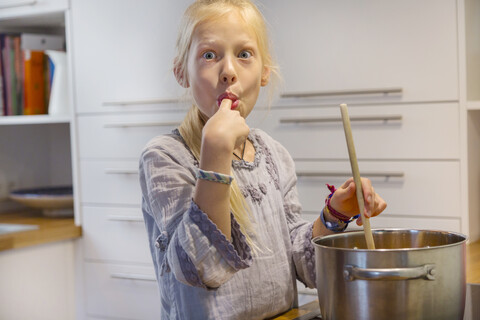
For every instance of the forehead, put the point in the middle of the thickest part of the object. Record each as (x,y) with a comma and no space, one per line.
(230,27)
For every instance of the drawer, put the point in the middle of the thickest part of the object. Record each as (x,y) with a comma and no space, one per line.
(121,291)
(410,188)
(110,182)
(386,220)
(115,234)
(122,136)
(417,131)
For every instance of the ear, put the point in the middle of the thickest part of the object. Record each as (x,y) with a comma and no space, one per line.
(265,76)
(177,70)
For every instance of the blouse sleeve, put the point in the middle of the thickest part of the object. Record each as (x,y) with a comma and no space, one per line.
(300,229)
(190,244)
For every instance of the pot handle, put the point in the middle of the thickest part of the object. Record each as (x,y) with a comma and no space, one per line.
(426,272)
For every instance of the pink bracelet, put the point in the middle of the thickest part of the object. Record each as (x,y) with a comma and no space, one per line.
(334,212)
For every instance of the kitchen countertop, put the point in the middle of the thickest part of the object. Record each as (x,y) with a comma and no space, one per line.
(49,229)
(473,276)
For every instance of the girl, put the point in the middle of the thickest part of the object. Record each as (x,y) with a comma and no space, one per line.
(219,199)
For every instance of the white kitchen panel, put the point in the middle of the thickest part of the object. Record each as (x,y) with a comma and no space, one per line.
(124,54)
(110,182)
(416,131)
(386,220)
(121,291)
(122,135)
(115,234)
(28,9)
(410,188)
(349,45)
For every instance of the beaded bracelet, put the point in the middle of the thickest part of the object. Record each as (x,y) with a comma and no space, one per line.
(214,176)
(334,212)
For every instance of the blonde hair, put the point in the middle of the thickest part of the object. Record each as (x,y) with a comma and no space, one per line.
(192,125)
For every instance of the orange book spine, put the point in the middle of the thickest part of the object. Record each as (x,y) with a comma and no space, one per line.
(34,83)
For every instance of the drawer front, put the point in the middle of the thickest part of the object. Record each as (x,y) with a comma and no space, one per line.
(120,291)
(410,188)
(343,46)
(386,220)
(122,136)
(428,131)
(110,182)
(115,234)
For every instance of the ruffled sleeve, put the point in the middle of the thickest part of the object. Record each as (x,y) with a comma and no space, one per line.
(188,244)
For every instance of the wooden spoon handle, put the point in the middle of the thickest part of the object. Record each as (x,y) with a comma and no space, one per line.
(356,176)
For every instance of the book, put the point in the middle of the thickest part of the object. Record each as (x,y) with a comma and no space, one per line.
(34,83)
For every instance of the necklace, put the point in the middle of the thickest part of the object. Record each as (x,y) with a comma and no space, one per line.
(243,151)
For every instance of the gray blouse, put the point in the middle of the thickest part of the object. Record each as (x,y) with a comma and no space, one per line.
(202,275)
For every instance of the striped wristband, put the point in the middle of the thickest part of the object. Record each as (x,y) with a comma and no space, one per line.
(214,176)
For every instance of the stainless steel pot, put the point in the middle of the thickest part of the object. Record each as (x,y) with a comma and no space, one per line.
(412,274)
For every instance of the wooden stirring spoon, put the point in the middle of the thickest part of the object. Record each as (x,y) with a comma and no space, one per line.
(356,176)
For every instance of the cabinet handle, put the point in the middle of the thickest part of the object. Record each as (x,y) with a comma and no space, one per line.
(15,4)
(133,276)
(141,124)
(381,91)
(139,102)
(121,171)
(124,218)
(349,174)
(384,118)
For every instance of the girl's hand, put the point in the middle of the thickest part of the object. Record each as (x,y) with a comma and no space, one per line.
(344,200)
(226,129)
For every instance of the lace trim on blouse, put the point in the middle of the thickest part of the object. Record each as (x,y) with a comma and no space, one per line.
(240,259)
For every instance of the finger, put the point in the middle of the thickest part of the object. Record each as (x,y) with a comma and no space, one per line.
(368,195)
(380,205)
(359,221)
(226,104)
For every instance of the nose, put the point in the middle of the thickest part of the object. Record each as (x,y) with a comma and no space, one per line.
(228,73)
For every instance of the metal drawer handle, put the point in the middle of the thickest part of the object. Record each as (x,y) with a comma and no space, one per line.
(426,272)
(381,91)
(133,276)
(124,218)
(121,171)
(338,119)
(141,124)
(139,102)
(349,174)
(15,4)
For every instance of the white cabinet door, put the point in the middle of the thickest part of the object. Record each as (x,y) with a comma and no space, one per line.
(124,53)
(115,234)
(404,131)
(344,45)
(122,136)
(116,291)
(421,189)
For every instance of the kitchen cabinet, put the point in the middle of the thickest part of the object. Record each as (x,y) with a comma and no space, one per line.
(350,48)
(125,94)
(125,64)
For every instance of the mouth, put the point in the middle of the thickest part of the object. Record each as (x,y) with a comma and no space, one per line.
(229,96)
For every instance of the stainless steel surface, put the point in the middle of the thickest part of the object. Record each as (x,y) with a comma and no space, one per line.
(338,119)
(349,174)
(139,102)
(439,294)
(10,227)
(381,91)
(142,124)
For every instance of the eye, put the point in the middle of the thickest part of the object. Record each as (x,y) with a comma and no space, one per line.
(209,55)
(245,54)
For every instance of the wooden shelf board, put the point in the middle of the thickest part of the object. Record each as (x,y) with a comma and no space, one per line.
(33,119)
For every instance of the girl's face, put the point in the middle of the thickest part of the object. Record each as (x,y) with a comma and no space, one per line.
(224,62)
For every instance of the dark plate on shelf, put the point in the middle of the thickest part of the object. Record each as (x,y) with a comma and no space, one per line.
(54,201)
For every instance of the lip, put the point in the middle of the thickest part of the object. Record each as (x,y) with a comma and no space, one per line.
(230,96)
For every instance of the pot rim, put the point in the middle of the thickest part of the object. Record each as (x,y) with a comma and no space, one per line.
(345,234)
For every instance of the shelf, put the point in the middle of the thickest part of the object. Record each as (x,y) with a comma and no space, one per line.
(33,119)
(473,105)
